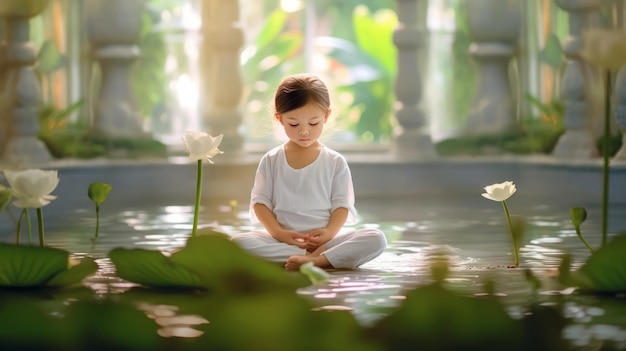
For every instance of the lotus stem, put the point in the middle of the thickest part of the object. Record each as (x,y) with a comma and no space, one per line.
(40,224)
(580,236)
(29,226)
(196,209)
(97,220)
(605,155)
(508,219)
(19,226)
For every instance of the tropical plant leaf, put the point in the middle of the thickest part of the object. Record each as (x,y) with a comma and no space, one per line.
(74,274)
(49,58)
(364,67)
(152,268)
(552,53)
(605,270)
(30,266)
(274,24)
(283,47)
(374,34)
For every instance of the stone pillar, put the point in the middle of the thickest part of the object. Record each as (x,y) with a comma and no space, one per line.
(113,29)
(495,27)
(222,84)
(578,140)
(20,90)
(412,140)
(619,109)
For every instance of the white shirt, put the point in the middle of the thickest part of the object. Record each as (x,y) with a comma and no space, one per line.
(303,199)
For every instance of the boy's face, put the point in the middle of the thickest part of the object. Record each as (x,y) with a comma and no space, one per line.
(304,125)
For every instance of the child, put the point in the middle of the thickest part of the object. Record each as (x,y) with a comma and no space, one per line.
(303,193)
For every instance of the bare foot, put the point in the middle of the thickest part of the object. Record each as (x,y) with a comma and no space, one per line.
(294,262)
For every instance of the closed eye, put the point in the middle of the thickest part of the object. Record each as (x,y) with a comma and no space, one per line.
(314,124)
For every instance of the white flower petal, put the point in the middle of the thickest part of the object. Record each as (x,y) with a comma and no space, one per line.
(32,187)
(499,191)
(202,145)
(487,196)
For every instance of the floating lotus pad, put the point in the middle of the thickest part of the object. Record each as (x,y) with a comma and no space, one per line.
(34,266)
(209,262)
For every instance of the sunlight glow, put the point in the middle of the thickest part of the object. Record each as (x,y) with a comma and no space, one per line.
(186,91)
(291,6)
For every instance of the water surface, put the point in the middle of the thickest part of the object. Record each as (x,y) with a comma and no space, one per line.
(470,233)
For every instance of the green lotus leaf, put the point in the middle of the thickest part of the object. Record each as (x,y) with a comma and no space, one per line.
(74,274)
(30,266)
(152,268)
(605,270)
(225,266)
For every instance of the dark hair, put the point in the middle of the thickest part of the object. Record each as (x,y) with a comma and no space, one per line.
(298,90)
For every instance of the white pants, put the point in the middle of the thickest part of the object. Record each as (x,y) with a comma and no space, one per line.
(349,249)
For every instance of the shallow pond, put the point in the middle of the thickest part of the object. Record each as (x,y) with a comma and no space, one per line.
(471,233)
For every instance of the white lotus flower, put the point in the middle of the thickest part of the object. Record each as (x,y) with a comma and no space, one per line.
(32,187)
(500,191)
(604,48)
(202,145)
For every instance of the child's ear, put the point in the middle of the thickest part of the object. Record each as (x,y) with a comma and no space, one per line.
(327,115)
(279,118)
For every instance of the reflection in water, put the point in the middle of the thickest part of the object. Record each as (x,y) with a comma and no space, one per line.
(473,239)
(171,324)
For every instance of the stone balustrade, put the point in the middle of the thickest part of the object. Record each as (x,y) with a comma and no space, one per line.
(113,29)
(222,40)
(578,140)
(411,141)
(20,90)
(495,27)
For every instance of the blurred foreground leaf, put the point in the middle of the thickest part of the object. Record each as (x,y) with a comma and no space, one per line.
(30,321)
(138,332)
(434,318)
(283,321)
(605,269)
(26,325)
(314,273)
